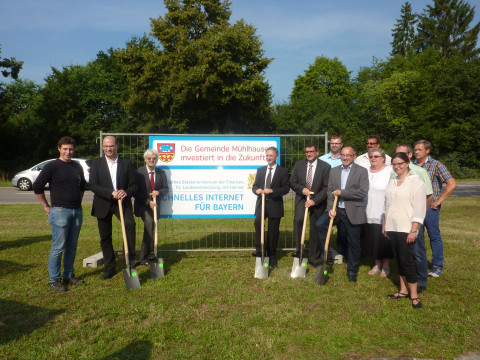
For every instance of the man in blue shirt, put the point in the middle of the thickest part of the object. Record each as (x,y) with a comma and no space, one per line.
(333,157)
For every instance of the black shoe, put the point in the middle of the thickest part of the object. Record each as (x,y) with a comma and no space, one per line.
(152,258)
(421,289)
(330,262)
(418,305)
(397,296)
(257,254)
(108,274)
(352,278)
(273,262)
(73,280)
(296,254)
(58,286)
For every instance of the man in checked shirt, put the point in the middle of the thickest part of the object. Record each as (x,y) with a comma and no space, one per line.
(439,175)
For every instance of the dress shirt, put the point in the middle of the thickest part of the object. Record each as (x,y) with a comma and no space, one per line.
(112,167)
(329,159)
(266,175)
(343,184)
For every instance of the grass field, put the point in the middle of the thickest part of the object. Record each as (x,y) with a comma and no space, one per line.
(209,305)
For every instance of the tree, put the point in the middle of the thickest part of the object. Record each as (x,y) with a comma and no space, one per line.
(404,32)
(445,28)
(206,76)
(321,99)
(10,67)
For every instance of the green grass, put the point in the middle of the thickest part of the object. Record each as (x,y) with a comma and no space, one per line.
(209,305)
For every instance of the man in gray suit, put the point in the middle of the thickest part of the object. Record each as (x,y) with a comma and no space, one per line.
(152,182)
(309,175)
(350,183)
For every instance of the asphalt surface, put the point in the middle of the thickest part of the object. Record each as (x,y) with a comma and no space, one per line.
(11,195)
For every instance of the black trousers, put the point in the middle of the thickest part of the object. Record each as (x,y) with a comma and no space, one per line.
(105,231)
(314,252)
(271,240)
(405,254)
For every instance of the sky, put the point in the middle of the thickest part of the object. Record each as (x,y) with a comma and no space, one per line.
(57,33)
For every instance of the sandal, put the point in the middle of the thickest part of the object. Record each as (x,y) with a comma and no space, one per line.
(418,305)
(385,272)
(398,295)
(374,270)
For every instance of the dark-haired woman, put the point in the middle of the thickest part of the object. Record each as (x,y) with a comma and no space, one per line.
(405,207)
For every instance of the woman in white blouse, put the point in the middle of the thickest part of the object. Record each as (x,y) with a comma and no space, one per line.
(378,177)
(405,207)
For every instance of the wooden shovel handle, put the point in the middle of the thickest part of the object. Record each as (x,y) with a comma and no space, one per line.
(124,234)
(330,225)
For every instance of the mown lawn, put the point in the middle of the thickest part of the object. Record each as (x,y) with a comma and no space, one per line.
(209,305)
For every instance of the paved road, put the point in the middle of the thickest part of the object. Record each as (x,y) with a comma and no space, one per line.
(11,195)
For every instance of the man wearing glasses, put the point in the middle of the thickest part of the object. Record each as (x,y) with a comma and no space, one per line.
(309,175)
(350,183)
(373,142)
(333,157)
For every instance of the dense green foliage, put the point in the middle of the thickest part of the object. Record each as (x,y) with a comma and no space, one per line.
(198,73)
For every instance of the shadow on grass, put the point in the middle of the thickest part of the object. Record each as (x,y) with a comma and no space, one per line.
(4,245)
(7,267)
(135,350)
(18,319)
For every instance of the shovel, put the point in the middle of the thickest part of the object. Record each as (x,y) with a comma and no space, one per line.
(156,267)
(261,263)
(130,275)
(299,267)
(321,273)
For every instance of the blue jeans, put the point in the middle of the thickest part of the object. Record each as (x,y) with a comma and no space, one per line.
(421,257)
(66,224)
(432,223)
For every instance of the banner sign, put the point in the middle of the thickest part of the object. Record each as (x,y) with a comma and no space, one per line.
(210,177)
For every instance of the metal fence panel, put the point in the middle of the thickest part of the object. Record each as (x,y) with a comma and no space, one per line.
(218,234)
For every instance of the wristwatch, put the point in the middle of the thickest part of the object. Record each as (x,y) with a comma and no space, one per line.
(413,231)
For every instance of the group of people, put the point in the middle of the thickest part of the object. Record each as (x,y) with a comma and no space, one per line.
(385,201)
(114,182)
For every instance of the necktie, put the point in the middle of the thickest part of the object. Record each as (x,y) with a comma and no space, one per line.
(152,180)
(309,177)
(268,183)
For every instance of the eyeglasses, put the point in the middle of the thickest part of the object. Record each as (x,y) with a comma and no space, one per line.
(336,143)
(309,152)
(372,143)
(346,155)
(374,156)
(398,164)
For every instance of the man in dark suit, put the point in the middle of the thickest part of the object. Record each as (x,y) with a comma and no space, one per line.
(309,175)
(152,182)
(350,183)
(113,178)
(274,184)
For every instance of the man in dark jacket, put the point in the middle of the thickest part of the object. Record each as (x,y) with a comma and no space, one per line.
(113,178)
(274,184)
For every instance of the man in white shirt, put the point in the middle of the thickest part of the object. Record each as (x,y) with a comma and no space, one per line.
(363,160)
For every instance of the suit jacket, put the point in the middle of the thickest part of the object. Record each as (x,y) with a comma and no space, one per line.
(142,197)
(298,181)
(279,185)
(102,186)
(354,194)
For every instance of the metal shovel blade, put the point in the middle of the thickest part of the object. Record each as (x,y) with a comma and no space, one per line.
(299,269)
(130,276)
(156,269)
(261,268)
(320,276)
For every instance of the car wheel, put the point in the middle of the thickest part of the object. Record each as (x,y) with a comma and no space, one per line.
(24,184)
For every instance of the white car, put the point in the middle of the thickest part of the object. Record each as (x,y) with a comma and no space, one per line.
(24,179)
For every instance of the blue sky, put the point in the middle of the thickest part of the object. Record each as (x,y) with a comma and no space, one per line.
(46,33)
